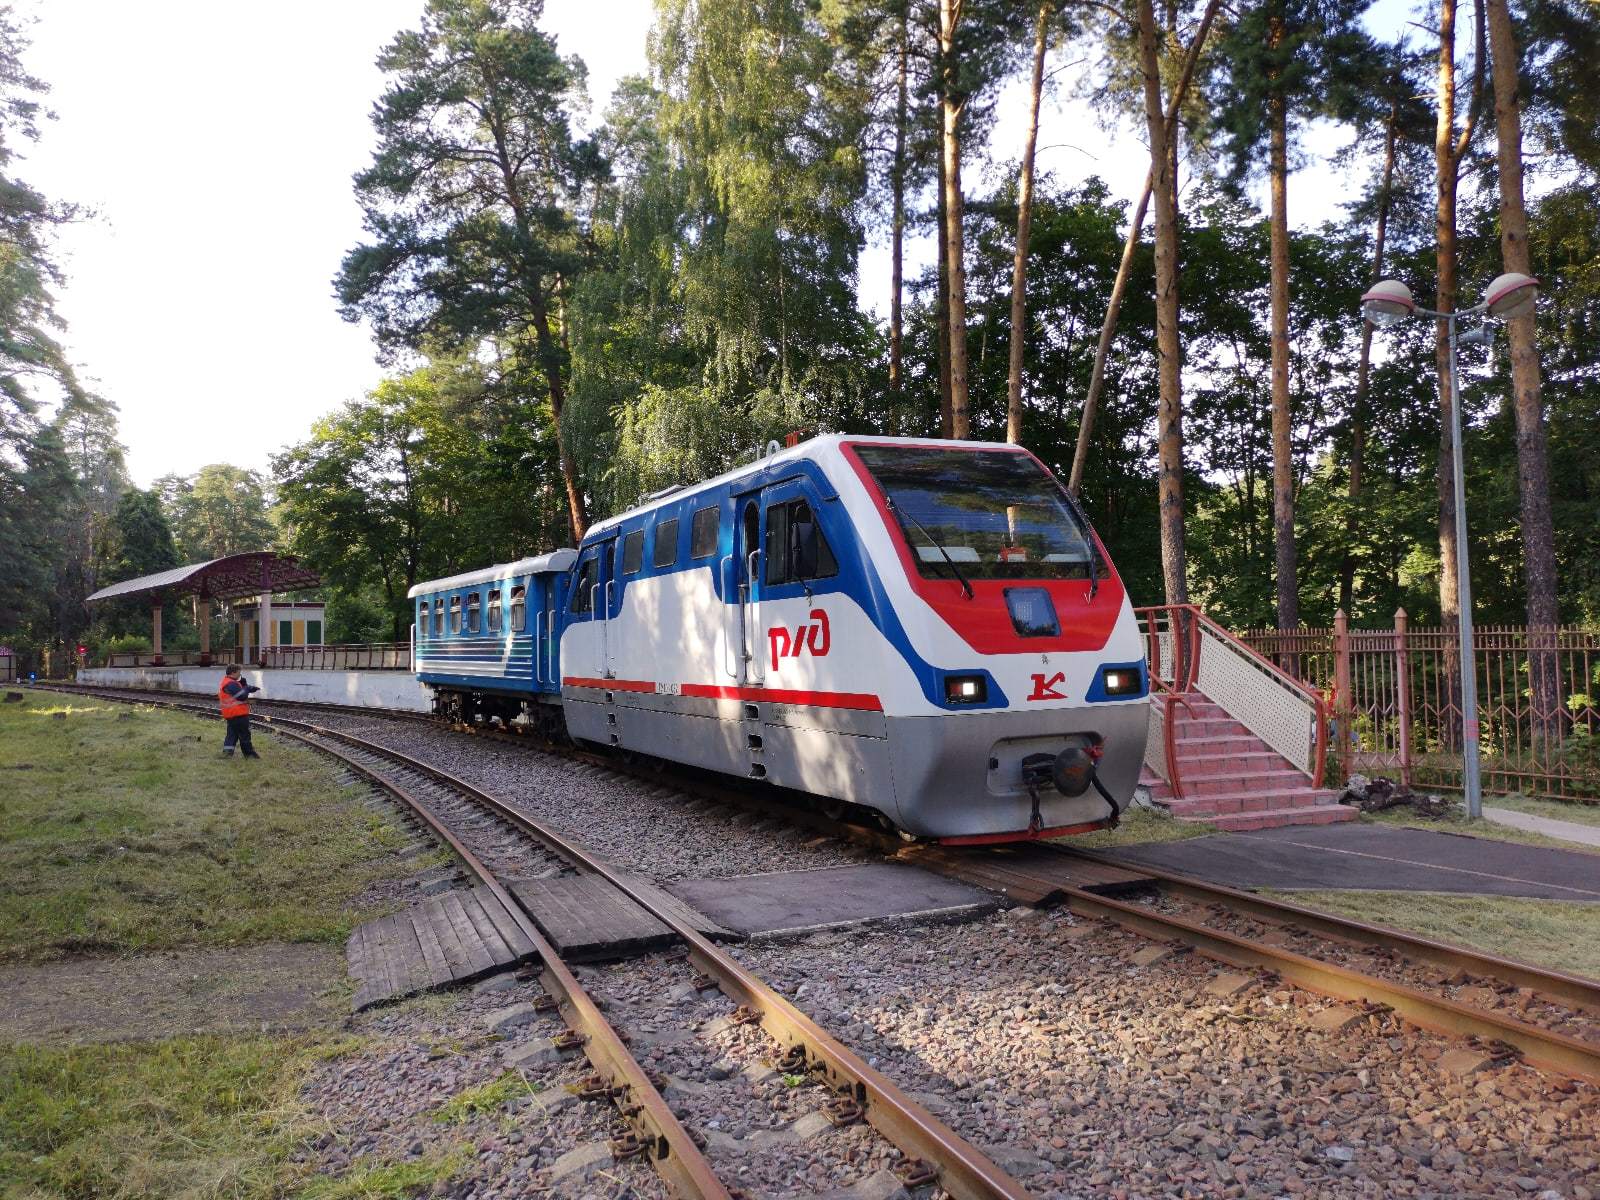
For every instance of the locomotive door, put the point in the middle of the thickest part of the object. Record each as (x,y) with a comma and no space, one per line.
(747,579)
(604,594)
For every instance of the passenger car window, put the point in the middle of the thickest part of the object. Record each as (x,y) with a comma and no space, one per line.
(438,617)
(633,552)
(666,545)
(422,619)
(472,612)
(703,532)
(494,611)
(519,610)
(455,614)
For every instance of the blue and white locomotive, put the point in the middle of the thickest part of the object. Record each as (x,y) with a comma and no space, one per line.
(929,630)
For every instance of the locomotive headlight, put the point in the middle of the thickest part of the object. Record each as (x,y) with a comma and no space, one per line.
(965,689)
(1122,681)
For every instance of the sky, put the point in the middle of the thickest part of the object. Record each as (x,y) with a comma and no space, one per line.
(213,145)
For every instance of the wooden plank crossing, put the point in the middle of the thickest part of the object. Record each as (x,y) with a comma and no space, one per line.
(586,918)
(452,938)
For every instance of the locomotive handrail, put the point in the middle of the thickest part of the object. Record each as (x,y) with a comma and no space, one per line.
(538,656)
(729,585)
(1185,625)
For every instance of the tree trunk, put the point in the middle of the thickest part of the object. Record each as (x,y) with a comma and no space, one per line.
(942,320)
(1169,421)
(1108,328)
(1019,267)
(897,248)
(1285,566)
(950,106)
(1358,415)
(1533,456)
(577,511)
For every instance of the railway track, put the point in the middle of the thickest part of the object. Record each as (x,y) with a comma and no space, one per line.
(929,1154)
(1552,1018)
(1502,1007)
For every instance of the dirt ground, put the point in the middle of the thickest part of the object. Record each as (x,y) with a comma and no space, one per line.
(271,988)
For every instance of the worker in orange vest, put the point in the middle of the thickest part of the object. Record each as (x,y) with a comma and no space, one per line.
(233,695)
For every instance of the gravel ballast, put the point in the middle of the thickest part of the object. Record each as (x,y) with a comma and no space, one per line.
(1036,1035)
(390,1101)
(656,831)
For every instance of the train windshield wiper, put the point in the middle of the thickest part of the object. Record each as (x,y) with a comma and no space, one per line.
(933,541)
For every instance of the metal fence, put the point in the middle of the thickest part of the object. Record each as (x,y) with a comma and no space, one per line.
(369,656)
(1396,701)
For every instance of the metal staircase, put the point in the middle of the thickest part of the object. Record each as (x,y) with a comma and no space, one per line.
(1235,741)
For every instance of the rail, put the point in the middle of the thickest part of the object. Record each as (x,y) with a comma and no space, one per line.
(1189,652)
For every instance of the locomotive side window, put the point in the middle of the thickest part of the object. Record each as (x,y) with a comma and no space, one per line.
(582,597)
(980,514)
(473,612)
(796,549)
(494,611)
(666,547)
(703,531)
(633,552)
(455,614)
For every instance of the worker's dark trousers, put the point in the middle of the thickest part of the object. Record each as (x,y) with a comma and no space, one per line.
(238,732)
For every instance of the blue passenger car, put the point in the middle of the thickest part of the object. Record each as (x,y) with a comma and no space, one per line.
(486,641)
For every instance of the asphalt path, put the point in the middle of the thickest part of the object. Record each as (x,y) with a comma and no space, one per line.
(1377,858)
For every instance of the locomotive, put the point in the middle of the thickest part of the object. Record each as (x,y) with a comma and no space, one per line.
(929,631)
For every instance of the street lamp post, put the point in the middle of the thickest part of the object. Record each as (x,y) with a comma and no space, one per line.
(1386,304)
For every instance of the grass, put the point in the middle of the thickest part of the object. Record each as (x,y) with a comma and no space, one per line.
(184,1118)
(485,1098)
(385,1180)
(1140,825)
(1548,933)
(122,829)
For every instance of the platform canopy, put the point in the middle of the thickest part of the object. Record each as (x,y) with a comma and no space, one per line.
(258,573)
(230,578)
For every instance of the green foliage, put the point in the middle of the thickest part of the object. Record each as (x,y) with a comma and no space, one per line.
(428,475)
(218,511)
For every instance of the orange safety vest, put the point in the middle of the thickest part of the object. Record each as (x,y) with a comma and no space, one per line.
(230,706)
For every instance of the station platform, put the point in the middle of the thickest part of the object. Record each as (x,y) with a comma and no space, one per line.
(370,689)
(1376,858)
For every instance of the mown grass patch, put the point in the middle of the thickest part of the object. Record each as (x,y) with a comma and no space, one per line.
(187,1117)
(1140,825)
(1547,933)
(123,829)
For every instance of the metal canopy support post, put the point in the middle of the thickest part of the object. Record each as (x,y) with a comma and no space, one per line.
(202,606)
(155,631)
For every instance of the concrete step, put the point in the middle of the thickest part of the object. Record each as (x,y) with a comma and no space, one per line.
(1243,802)
(1317,814)
(1200,765)
(1242,743)
(1198,727)
(1283,782)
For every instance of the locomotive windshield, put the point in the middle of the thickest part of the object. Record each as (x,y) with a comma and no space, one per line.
(980,514)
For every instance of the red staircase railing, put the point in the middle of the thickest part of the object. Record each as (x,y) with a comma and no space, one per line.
(1189,652)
